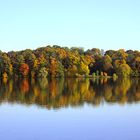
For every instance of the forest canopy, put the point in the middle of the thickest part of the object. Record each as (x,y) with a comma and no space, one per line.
(56,61)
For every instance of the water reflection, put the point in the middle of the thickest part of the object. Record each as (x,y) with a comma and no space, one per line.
(56,93)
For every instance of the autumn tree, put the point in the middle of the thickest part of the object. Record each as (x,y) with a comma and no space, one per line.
(124,70)
(43,73)
(24,69)
(5,65)
(83,69)
(107,64)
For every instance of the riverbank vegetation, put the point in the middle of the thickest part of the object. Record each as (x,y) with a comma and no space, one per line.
(56,61)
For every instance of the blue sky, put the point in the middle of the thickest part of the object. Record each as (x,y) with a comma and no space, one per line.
(104,24)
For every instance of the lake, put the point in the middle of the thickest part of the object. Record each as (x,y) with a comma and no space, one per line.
(70,109)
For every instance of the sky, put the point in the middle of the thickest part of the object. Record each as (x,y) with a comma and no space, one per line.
(103,24)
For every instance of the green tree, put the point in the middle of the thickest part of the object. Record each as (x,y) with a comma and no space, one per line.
(124,70)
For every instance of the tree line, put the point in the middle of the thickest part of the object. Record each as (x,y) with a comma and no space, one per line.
(57,61)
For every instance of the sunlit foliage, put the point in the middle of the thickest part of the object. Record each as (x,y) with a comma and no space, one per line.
(56,61)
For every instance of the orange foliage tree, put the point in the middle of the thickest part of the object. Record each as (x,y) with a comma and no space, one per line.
(24,69)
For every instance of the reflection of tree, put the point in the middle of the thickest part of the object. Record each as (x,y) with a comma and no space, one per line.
(108,92)
(123,86)
(64,92)
(43,82)
(24,86)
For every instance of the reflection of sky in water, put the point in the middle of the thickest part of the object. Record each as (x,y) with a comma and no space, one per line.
(76,109)
(110,122)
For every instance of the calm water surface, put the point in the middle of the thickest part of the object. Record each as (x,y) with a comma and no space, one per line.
(70,109)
